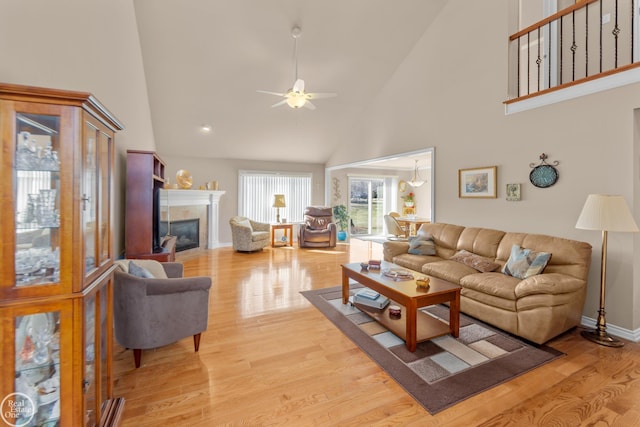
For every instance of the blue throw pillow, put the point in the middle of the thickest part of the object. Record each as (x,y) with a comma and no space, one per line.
(523,263)
(420,245)
(136,270)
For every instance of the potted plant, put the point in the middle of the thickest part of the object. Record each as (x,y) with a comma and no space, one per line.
(409,200)
(342,220)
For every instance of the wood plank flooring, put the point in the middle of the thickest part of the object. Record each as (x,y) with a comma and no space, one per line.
(269,358)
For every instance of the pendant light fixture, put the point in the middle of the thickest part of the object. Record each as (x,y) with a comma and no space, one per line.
(416,181)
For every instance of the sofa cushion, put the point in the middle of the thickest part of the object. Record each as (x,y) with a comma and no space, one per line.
(494,283)
(258,236)
(448,270)
(523,263)
(480,263)
(422,244)
(414,262)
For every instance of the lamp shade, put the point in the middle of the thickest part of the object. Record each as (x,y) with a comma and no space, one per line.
(606,212)
(278,201)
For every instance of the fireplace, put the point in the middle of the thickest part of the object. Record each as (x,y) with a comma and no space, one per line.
(187,232)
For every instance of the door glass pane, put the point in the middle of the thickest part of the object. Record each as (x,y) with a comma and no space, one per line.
(37,379)
(104,349)
(89,367)
(37,199)
(104,189)
(366,205)
(89,198)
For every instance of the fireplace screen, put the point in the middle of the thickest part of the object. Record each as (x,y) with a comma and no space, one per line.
(187,232)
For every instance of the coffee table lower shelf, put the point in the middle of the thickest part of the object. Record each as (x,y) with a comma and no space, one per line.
(427,327)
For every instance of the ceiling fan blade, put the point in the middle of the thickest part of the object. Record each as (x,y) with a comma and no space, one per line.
(322,95)
(277,104)
(298,86)
(268,92)
(309,105)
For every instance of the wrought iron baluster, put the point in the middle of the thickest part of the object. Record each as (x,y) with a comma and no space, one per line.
(574,46)
(615,32)
(538,61)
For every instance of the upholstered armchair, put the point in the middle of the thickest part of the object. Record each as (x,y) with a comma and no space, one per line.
(394,228)
(155,306)
(248,235)
(318,229)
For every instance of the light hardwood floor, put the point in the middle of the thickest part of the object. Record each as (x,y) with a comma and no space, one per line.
(269,358)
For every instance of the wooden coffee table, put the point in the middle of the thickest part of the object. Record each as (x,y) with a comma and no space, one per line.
(413,325)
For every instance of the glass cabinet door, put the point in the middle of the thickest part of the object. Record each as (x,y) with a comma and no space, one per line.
(37,199)
(96,196)
(89,382)
(90,197)
(41,344)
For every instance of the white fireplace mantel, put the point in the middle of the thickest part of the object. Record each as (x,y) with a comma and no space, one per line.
(170,197)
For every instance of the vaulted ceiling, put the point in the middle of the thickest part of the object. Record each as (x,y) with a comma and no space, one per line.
(205,59)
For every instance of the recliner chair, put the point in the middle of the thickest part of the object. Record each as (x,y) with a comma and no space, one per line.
(318,229)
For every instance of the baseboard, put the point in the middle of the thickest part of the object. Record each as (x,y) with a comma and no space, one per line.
(627,334)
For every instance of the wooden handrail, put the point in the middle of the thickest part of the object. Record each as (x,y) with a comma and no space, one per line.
(551,18)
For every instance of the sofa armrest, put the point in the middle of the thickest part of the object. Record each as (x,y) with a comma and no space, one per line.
(551,283)
(173,269)
(391,249)
(174,286)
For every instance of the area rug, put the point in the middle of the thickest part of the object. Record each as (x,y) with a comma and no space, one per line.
(441,372)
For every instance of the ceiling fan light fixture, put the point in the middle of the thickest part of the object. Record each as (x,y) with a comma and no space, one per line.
(416,181)
(295,99)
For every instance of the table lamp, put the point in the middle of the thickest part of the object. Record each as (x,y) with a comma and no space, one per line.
(278,202)
(605,213)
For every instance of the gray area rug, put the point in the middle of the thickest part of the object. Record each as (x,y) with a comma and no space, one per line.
(445,370)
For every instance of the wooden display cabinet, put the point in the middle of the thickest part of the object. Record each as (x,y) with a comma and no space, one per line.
(56,255)
(145,179)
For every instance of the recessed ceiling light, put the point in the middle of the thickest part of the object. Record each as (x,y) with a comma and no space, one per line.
(205,128)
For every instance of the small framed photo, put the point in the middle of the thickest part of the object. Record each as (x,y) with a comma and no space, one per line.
(478,182)
(513,192)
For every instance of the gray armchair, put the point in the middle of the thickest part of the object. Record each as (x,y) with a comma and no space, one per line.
(318,229)
(153,312)
(248,235)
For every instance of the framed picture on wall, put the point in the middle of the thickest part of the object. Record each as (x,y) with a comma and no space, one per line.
(478,182)
(513,192)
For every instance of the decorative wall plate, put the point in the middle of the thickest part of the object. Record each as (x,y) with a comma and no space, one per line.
(402,186)
(544,175)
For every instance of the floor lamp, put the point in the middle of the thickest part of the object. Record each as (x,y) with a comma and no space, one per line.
(605,213)
(278,202)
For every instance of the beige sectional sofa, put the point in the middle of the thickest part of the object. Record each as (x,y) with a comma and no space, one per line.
(536,308)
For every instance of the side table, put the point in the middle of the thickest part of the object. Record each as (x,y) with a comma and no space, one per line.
(288,233)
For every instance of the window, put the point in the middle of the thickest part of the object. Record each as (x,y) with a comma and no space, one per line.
(256,190)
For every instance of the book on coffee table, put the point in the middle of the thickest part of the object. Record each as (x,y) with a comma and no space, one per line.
(378,302)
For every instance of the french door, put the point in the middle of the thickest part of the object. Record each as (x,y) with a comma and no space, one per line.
(366,204)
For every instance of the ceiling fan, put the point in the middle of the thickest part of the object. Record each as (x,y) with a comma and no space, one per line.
(296,97)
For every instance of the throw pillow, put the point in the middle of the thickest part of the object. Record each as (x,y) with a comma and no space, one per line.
(138,271)
(523,263)
(418,245)
(480,263)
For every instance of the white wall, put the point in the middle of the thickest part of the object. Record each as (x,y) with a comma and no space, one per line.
(457,75)
(225,171)
(87,46)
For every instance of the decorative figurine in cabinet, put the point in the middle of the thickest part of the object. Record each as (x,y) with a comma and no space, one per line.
(56,258)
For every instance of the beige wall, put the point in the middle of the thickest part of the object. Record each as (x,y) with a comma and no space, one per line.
(457,74)
(88,46)
(225,171)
